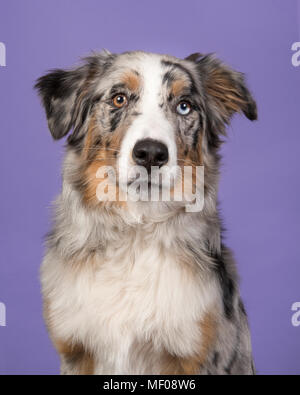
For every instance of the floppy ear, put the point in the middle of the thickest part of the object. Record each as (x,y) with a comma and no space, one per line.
(225,89)
(59,91)
(68,96)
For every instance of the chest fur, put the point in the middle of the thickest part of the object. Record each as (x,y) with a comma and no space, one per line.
(133,295)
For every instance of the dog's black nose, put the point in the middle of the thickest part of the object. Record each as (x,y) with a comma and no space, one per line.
(149,153)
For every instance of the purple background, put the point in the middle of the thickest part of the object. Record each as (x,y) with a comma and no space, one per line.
(260,177)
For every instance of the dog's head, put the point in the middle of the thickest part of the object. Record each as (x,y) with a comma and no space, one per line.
(143,109)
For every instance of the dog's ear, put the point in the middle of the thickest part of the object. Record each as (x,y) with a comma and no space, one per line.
(67,95)
(59,91)
(224,88)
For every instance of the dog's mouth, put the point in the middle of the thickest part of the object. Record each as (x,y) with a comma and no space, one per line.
(144,181)
(144,184)
(155,180)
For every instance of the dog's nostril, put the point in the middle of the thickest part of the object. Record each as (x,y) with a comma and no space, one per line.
(160,157)
(141,154)
(149,153)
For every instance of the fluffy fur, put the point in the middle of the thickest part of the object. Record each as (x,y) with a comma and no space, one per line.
(142,287)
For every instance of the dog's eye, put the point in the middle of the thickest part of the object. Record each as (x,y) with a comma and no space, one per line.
(184,108)
(119,100)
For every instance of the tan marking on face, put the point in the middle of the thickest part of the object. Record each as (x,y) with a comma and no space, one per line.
(88,145)
(191,157)
(104,156)
(131,80)
(178,86)
(199,149)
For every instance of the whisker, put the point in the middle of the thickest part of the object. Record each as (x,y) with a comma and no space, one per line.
(104,149)
(99,160)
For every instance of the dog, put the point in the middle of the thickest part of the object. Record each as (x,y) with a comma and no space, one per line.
(142,287)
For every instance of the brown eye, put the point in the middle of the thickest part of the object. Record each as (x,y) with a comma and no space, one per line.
(119,100)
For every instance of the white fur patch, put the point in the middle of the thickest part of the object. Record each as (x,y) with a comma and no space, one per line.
(152,123)
(138,292)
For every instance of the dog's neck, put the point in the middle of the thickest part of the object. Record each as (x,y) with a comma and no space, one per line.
(80,229)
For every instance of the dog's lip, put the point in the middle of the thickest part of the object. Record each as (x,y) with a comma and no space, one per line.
(143,182)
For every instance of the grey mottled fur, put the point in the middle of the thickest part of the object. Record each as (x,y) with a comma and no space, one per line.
(81,232)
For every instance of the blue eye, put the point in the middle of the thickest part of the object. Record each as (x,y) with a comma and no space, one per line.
(183,108)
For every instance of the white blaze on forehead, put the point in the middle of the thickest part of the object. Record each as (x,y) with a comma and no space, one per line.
(152,121)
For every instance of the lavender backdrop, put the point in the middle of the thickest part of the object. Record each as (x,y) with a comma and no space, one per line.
(260,184)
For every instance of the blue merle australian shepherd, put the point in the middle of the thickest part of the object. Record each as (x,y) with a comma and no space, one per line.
(134,286)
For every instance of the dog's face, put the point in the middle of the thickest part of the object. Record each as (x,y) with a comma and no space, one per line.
(142,109)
